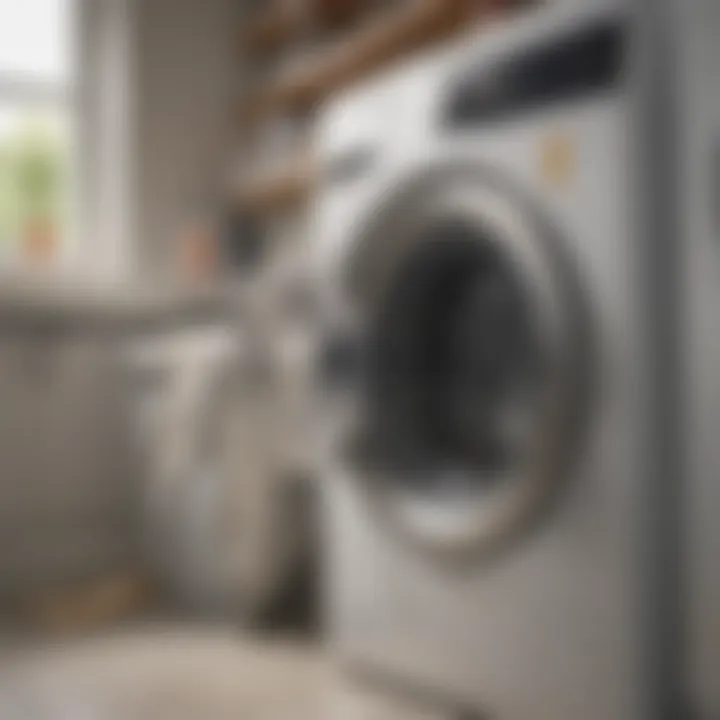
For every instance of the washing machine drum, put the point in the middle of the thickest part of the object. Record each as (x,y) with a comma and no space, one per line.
(472,363)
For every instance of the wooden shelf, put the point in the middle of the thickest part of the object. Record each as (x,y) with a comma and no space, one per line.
(285,20)
(281,188)
(390,34)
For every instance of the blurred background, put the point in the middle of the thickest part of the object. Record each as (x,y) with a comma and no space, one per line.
(164,168)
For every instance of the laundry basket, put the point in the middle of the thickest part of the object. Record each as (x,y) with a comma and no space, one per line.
(228,525)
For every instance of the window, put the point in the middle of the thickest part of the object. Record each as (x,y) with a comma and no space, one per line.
(36,130)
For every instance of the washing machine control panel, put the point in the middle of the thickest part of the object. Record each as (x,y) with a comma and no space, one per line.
(574,65)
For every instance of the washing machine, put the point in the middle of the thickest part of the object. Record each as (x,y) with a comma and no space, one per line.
(503,444)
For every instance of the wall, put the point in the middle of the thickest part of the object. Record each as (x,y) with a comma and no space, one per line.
(187,77)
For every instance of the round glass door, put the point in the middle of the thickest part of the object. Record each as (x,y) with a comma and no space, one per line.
(473,366)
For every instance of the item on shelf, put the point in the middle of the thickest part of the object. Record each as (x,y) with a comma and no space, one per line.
(199,257)
(273,25)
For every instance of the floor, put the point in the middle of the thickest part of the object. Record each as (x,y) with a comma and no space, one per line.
(173,672)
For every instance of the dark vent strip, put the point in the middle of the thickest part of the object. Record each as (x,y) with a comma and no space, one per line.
(568,67)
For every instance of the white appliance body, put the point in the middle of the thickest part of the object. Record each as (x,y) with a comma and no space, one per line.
(552,616)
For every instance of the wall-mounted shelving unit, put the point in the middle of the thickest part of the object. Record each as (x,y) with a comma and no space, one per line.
(357,39)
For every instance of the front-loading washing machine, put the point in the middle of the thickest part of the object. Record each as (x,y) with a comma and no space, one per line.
(502,451)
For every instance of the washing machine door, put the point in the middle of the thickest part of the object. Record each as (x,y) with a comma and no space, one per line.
(471,360)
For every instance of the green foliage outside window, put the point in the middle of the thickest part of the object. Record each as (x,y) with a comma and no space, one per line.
(33,178)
